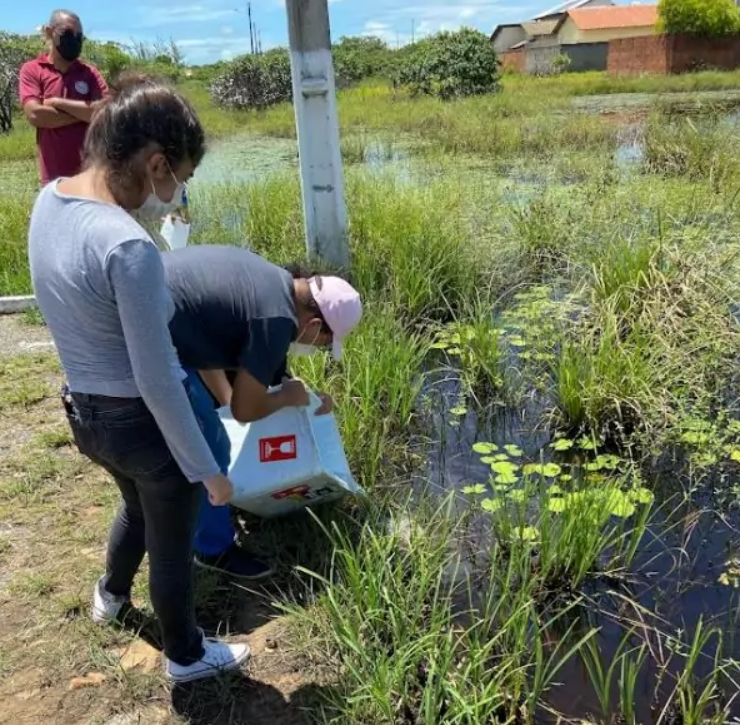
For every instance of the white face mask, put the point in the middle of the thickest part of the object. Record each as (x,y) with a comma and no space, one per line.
(299,349)
(155,208)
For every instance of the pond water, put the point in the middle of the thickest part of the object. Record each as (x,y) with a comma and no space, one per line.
(676,583)
(245,158)
(248,157)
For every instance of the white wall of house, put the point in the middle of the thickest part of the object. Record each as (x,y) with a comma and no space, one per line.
(508,37)
(569,34)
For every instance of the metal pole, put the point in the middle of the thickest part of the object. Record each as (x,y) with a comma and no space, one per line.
(315,101)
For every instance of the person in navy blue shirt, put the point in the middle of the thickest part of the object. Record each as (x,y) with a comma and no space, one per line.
(237,317)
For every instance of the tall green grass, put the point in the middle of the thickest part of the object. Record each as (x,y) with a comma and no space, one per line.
(692,149)
(595,83)
(19,144)
(395,619)
(409,244)
(15,277)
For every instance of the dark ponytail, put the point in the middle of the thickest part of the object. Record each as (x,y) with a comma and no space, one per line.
(141,111)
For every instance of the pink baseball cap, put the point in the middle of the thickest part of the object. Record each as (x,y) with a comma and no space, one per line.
(340,305)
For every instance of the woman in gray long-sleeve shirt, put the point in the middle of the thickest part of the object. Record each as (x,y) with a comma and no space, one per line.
(99,281)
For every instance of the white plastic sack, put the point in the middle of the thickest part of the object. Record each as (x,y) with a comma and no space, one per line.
(175,232)
(288,461)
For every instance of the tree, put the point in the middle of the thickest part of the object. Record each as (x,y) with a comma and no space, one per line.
(451,65)
(14,51)
(255,81)
(708,18)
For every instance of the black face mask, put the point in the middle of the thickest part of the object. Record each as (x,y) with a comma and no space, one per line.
(70,45)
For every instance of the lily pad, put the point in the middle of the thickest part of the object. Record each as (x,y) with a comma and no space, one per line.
(489,460)
(517,495)
(491,505)
(548,470)
(459,411)
(566,477)
(620,505)
(485,448)
(475,490)
(586,444)
(506,471)
(735,456)
(441,345)
(556,504)
(526,533)
(564,444)
(513,450)
(642,496)
(501,457)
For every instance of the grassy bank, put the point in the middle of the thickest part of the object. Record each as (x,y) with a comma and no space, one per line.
(532,115)
(599,293)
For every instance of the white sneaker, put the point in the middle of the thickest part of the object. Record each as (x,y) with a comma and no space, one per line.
(106,606)
(218,657)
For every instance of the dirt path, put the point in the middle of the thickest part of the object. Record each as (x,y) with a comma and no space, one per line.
(56,666)
(19,334)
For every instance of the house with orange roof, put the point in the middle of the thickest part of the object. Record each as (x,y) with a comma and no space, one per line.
(603,24)
(577,34)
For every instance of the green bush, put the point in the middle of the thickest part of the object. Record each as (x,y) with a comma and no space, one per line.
(451,65)
(254,81)
(358,58)
(711,18)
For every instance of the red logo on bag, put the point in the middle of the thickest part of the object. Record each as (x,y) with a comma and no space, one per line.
(280,448)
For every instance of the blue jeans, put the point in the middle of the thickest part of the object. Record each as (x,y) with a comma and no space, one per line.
(214,532)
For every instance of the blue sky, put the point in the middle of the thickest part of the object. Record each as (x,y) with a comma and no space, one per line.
(209,30)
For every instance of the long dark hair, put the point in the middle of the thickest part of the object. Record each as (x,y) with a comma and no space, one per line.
(141,111)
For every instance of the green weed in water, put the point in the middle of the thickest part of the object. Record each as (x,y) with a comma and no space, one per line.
(472,345)
(376,387)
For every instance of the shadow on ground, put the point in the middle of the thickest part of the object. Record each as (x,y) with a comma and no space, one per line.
(240,700)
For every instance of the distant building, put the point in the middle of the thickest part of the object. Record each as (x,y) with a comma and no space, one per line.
(580,31)
(558,11)
(507,36)
(600,25)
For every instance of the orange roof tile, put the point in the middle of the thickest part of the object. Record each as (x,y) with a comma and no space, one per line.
(604,18)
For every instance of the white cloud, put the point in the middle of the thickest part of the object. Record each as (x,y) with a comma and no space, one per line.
(397,24)
(227,30)
(206,50)
(196,13)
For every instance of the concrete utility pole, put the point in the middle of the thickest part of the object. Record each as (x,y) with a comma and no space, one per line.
(315,100)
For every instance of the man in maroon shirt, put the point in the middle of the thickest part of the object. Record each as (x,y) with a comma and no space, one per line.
(59,93)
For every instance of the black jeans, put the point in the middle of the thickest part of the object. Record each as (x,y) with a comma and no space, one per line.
(157,515)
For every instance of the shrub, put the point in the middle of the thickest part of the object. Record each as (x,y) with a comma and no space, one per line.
(254,81)
(712,18)
(358,58)
(451,65)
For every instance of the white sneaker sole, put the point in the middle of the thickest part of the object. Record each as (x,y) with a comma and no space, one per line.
(209,671)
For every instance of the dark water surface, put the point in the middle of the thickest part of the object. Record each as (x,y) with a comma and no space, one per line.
(673,584)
